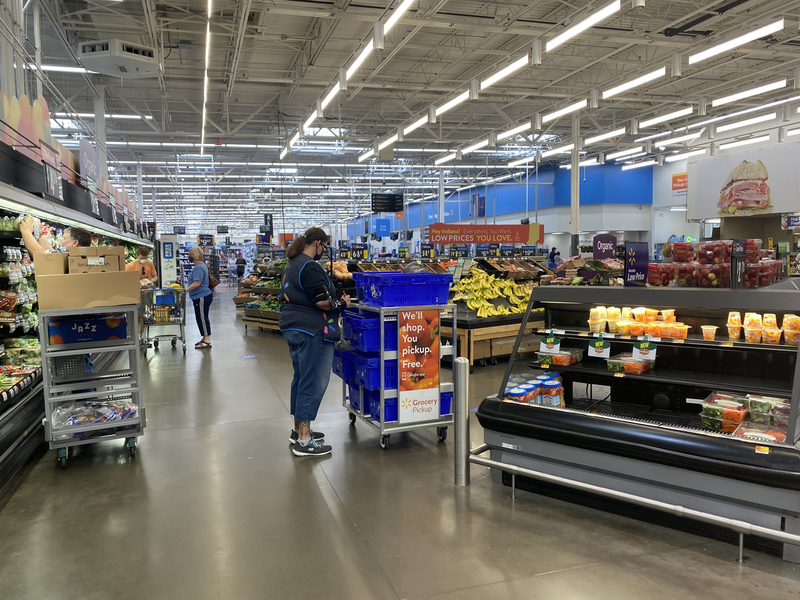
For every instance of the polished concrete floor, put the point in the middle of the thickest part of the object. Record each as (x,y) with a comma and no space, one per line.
(216,506)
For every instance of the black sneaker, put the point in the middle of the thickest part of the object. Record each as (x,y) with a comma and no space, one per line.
(312,448)
(314,434)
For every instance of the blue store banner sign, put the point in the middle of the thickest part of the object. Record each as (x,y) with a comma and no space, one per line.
(636,261)
(382,227)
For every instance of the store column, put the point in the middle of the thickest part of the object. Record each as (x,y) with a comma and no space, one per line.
(37,41)
(7,83)
(440,218)
(100,129)
(575,188)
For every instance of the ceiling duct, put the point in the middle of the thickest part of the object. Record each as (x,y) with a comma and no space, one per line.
(119,59)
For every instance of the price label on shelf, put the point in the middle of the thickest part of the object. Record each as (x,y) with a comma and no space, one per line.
(727,344)
(584,334)
(544,365)
(541,331)
(624,337)
(608,336)
(619,374)
(678,341)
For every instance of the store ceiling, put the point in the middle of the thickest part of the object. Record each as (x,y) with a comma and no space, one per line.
(269,63)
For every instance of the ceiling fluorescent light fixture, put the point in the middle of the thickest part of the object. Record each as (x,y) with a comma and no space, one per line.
(792,132)
(295,139)
(388,142)
(560,150)
(398,12)
(655,136)
(747,122)
(564,111)
(311,118)
(662,72)
(505,72)
(579,28)
(644,163)
(514,131)
(478,146)
(330,96)
(415,125)
(452,103)
(668,117)
(747,142)
(625,159)
(622,153)
(775,85)
(586,163)
(361,58)
(605,136)
(445,159)
(680,139)
(736,42)
(366,155)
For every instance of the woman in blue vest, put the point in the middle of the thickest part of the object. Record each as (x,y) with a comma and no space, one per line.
(310,323)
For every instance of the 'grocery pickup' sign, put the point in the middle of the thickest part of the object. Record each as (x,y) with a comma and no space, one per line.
(442,233)
(418,390)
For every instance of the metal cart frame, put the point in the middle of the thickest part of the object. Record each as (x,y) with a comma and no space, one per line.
(66,380)
(386,429)
(174,318)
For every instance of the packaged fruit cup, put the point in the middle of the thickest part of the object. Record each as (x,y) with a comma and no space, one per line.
(596,315)
(680,331)
(769,320)
(791,322)
(686,274)
(613,326)
(627,313)
(772,335)
(613,313)
(597,326)
(734,318)
(682,252)
(517,395)
(791,336)
(734,332)
(752,320)
(709,332)
(751,276)
(650,315)
(752,335)
(666,330)
(636,328)
(668,315)
(652,329)
(624,327)
(753,250)
(639,314)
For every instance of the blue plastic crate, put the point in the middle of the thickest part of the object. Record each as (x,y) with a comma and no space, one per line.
(390,405)
(357,395)
(403,289)
(343,365)
(168,298)
(363,332)
(368,372)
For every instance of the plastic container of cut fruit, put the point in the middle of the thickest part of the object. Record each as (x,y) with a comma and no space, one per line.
(792,337)
(752,250)
(734,318)
(613,326)
(722,425)
(597,326)
(769,320)
(639,314)
(613,313)
(734,332)
(680,331)
(682,252)
(752,335)
(761,434)
(627,313)
(668,315)
(686,274)
(752,320)
(653,329)
(666,330)
(771,335)
(564,358)
(636,328)
(624,327)
(791,322)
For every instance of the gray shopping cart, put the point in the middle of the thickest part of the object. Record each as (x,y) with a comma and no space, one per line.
(162,309)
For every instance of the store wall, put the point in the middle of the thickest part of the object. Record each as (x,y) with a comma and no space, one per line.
(606,184)
(762,228)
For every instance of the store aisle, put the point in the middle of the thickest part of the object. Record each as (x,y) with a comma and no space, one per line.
(215,506)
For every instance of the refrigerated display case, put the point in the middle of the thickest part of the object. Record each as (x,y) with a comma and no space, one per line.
(708,424)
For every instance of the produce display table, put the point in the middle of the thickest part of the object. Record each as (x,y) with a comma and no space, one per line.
(475,335)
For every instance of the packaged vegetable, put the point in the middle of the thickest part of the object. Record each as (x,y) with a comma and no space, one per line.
(767,404)
(562,359)
(754,432)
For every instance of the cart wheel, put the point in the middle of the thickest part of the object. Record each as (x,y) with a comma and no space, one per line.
(131,444)
(481,362)
(63,453)
(494,361)
(155,344)
(352,418)
(385,441)
(441,433)
(63,461)
(174,343)
(144,350)
(184,348)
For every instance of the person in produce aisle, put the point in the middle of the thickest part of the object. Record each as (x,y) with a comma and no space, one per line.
(143,264)
(201,296)
(73,237)
(310,323)
(241,263)
(553,254)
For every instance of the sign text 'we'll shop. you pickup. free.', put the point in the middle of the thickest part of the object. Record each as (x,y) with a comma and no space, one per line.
(418,392)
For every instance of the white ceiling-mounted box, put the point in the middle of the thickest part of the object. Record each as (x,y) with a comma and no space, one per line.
(119,59)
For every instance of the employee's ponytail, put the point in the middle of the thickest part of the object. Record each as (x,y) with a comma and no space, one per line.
(315,234)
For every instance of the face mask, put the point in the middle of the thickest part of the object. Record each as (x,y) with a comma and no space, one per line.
(318,256)
(142,260)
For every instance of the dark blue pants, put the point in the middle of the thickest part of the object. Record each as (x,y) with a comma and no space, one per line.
(312,358)
(201,306)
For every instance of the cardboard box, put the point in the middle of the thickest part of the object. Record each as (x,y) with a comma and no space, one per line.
(100,259)
(87,290)
(87,328)
(54,263)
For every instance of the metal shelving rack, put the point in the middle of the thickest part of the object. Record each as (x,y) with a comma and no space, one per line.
(386,429)
(66,380)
